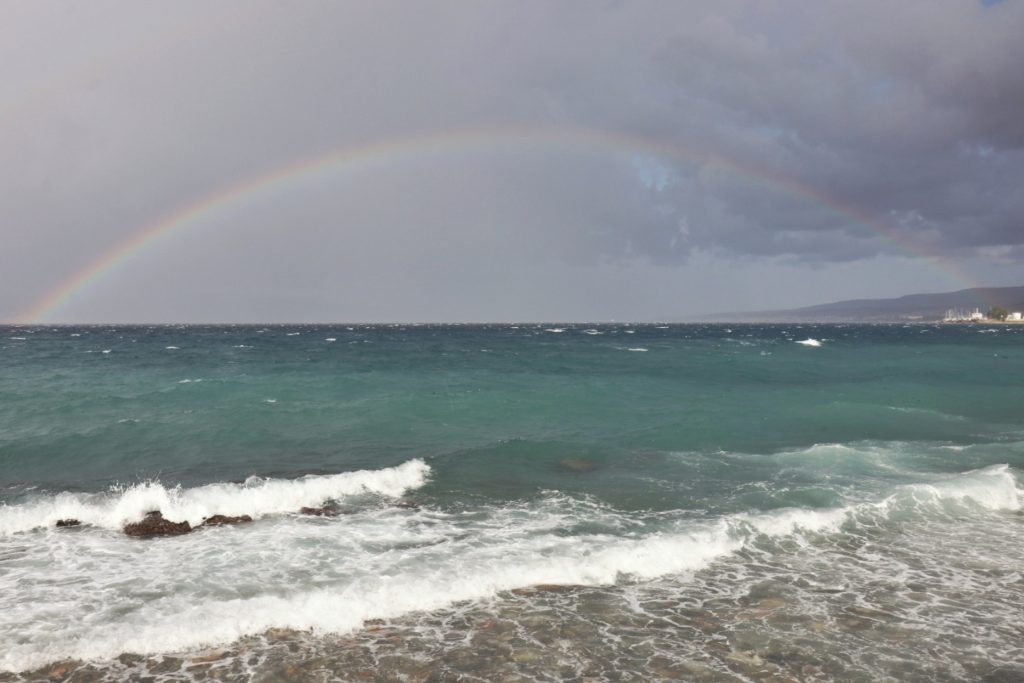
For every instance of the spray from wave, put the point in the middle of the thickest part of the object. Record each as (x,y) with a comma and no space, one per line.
(255,497)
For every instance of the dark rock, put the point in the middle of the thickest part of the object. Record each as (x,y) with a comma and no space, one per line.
(155,525)
(165,666)
(68,522)
(130,659)
(218,520)
(544,588)
(325,511)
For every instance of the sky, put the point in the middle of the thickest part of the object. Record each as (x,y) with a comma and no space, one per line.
(258,161)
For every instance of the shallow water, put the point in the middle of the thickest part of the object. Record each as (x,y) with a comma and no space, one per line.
(515,503)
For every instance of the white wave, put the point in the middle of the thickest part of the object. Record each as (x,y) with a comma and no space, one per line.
(382,563)
(106,351)
(809,342)
(993,488)
(190,381)
(331,339)
(256,497)
(556,330)
(592,332)
(637,349)
(789,521)
(377,565)
(172,348)
(927,411)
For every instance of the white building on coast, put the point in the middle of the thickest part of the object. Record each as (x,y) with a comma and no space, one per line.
(958,315)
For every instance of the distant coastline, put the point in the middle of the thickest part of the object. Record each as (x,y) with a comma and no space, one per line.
(974,305)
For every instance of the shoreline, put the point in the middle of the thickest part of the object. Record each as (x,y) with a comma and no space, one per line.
(550,632)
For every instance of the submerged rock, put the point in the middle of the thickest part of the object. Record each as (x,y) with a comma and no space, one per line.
(544,588)
(219,520)
(325,511)
(68,522)
(577,464)
(155,525)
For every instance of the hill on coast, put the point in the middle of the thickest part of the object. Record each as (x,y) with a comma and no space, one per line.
(924,307)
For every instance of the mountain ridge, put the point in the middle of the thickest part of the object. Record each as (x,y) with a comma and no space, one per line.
(909,307)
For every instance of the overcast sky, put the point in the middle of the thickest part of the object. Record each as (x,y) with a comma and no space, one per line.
(644,160)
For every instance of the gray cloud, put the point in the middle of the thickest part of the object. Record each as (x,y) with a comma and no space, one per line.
(833,118)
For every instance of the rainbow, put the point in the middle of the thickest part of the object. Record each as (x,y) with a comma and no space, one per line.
(380,155)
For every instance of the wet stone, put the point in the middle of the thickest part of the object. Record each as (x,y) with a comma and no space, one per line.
(324,511)
(130,659)
(86,675)
(220,520)
(154,524)
(166,665)
(57,671)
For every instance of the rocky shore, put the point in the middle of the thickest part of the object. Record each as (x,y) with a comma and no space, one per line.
(579,635)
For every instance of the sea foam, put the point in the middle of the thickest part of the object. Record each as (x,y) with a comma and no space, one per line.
(330,576)
(255,497)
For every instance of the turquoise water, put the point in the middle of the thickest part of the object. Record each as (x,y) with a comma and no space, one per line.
(690,473)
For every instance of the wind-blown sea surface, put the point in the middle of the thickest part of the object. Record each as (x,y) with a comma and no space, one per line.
(514,502)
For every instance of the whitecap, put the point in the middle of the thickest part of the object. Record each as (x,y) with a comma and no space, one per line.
(378,563)
(256,497)
(809,342)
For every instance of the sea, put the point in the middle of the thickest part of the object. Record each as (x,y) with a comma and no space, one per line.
(514,502)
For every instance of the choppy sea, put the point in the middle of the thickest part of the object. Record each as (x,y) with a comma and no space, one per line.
(514,503)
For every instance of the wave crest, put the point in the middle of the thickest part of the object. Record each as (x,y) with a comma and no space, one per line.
(256,497)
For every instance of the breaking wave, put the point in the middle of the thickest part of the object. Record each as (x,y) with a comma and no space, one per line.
(256,497)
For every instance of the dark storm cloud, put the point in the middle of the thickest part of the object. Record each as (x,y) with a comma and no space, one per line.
(838,121)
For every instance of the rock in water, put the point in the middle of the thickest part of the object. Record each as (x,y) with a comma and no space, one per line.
(68,522)
(325,511)
(577,464)
(155,525)
(218,520)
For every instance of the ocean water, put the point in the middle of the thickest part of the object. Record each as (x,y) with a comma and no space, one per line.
(517,502)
